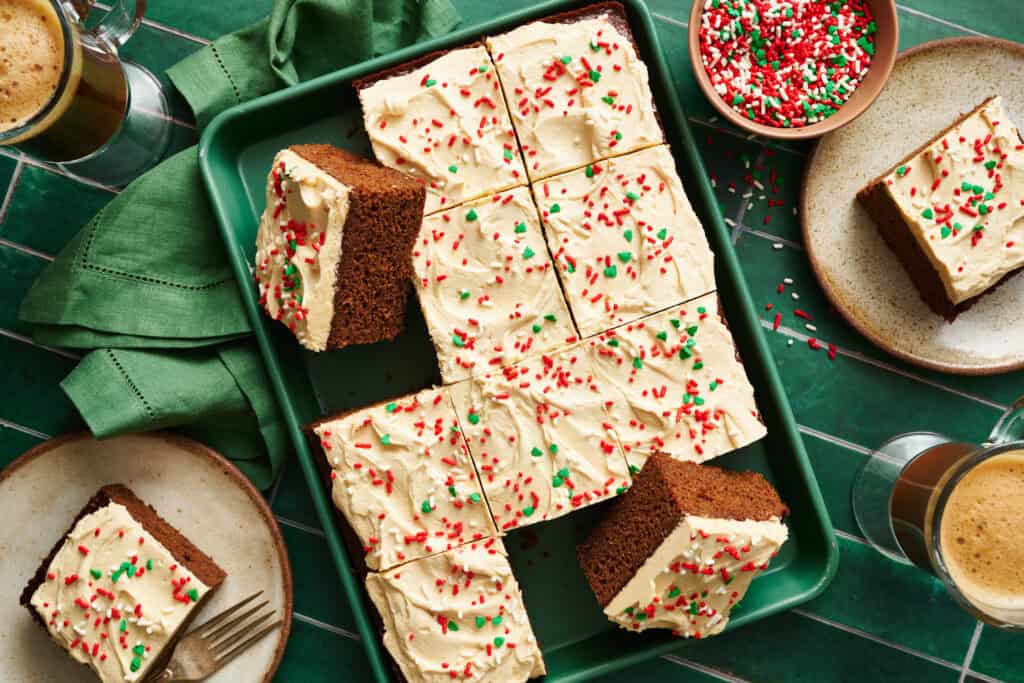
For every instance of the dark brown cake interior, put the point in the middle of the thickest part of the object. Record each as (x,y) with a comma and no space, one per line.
(375,269)
(897,235)
(663,493)
(182,549)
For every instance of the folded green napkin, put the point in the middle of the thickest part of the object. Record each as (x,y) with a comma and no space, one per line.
(147,283)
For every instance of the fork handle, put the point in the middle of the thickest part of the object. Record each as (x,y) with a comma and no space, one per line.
(164,676)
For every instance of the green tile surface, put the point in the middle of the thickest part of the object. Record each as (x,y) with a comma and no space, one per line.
(878,621)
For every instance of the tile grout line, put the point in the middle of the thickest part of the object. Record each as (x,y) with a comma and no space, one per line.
(742,211)
(272,498)
(855,355)
(706,670)
(27,250)
(323,625)
(771,237)
(876,639)
(11,185)
(299,525)
(56,170)
(975,637)
(23,429)
(853,538)
(937,20)
(31,342)
(835,440)
(670,20)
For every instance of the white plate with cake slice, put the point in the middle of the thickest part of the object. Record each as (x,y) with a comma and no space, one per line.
(861,275)
(195,490)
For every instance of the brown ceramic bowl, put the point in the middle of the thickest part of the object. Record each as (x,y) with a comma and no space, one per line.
(886,45)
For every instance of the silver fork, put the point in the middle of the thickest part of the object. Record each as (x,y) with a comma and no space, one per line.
(205,649)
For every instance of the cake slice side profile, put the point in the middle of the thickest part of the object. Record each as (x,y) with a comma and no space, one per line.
(681,547)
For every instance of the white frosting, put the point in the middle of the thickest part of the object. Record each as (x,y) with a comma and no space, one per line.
(578,93)
(625,239)
(487,286)
(114,596)
(540,439)
(404,480)
(458,615)
(445,123)
(941,192)
(298,247)
(696,576)
(673,384)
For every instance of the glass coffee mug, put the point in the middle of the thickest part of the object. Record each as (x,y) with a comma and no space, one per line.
(67,98)
(955,509)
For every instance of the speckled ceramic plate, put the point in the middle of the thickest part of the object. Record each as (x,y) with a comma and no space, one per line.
(864,280)
(192,487)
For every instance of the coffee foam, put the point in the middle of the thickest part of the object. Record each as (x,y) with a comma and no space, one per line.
(982,533)
(31,59)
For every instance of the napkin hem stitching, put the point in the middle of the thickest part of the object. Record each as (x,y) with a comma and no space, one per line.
(131,384)
(220,63)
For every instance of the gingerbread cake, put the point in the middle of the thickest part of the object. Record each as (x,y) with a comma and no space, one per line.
(334,244)
(540,439)
(443,119)
(953,210)
(487,286)
(625,239)
(673,382)
(403,479)
(457,615)
(119,586)
(682,546)
(577,89)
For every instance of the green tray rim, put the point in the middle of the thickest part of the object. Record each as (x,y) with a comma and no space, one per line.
(742,318)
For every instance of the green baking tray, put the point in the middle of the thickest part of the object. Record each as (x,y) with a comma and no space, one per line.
(578,642)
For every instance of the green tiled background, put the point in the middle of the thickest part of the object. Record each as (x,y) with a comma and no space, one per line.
(878,621)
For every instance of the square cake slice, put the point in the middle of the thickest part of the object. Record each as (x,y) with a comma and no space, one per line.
(681,547)
(625,239)
(334,245)
(443,119)
(540,439)
(403,479)
(459,615)
(119,586)
(673,382)
(953,211)
(487,287)
(577,89)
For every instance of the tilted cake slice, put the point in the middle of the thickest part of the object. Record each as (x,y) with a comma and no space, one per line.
(674,383)
(443,119)
(577,89)
(333,248)
(487,287)
(540,439)
(119,586)
(403,479)
(679,550)
(953,211)
(624,238)
(457,615)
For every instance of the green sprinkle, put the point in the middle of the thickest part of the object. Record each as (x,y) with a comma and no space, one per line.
(452,626)
(139,649)
(131,570)
(554,451)
(555,208)
(463,294)
(430,82)
(520,228)
(507,154)
(625,256)
(620,490)
(528,253)
(499,641)
(640,616)
(453,169)
(983,209)
(633,469)
(990,164)
(123,627)
(566,59)
(611,271)
(528,511)
(425,507)
(713,386)
(638,363)
(556,481)
(675,322)
(699,365)
(946,232)
(136,664)
(595,75)
(536,452)
(193,595)
(628,234)
(663,233)
(589,172)
(702,310)
(692,330)
(96,573)
(482,68)
(928,213)
(452,492)
(385,439)
(536,328)
(471,215)
(839,60)
(474,418)
(480,621)
(474,497)
(978,189)
(694,607)
(550,317)
(612,342)
(496,620)
(632,196)
(901,171)
(698,401)
(608,100)
(663,335)
(457,340)
(563,473)
(737,99)
(685,353)
(674,593)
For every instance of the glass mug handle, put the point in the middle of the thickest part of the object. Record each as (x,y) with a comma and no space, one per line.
(1010,426)
(118,25)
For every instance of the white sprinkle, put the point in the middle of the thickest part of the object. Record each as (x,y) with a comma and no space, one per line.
(811,327)
(796,297)
(730,222)
(777,245)
(789,342)
(788,281)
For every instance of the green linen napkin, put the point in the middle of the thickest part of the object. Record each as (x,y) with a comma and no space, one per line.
(146,283)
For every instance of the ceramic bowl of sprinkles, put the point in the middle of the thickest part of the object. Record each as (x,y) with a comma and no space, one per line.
(792,69)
